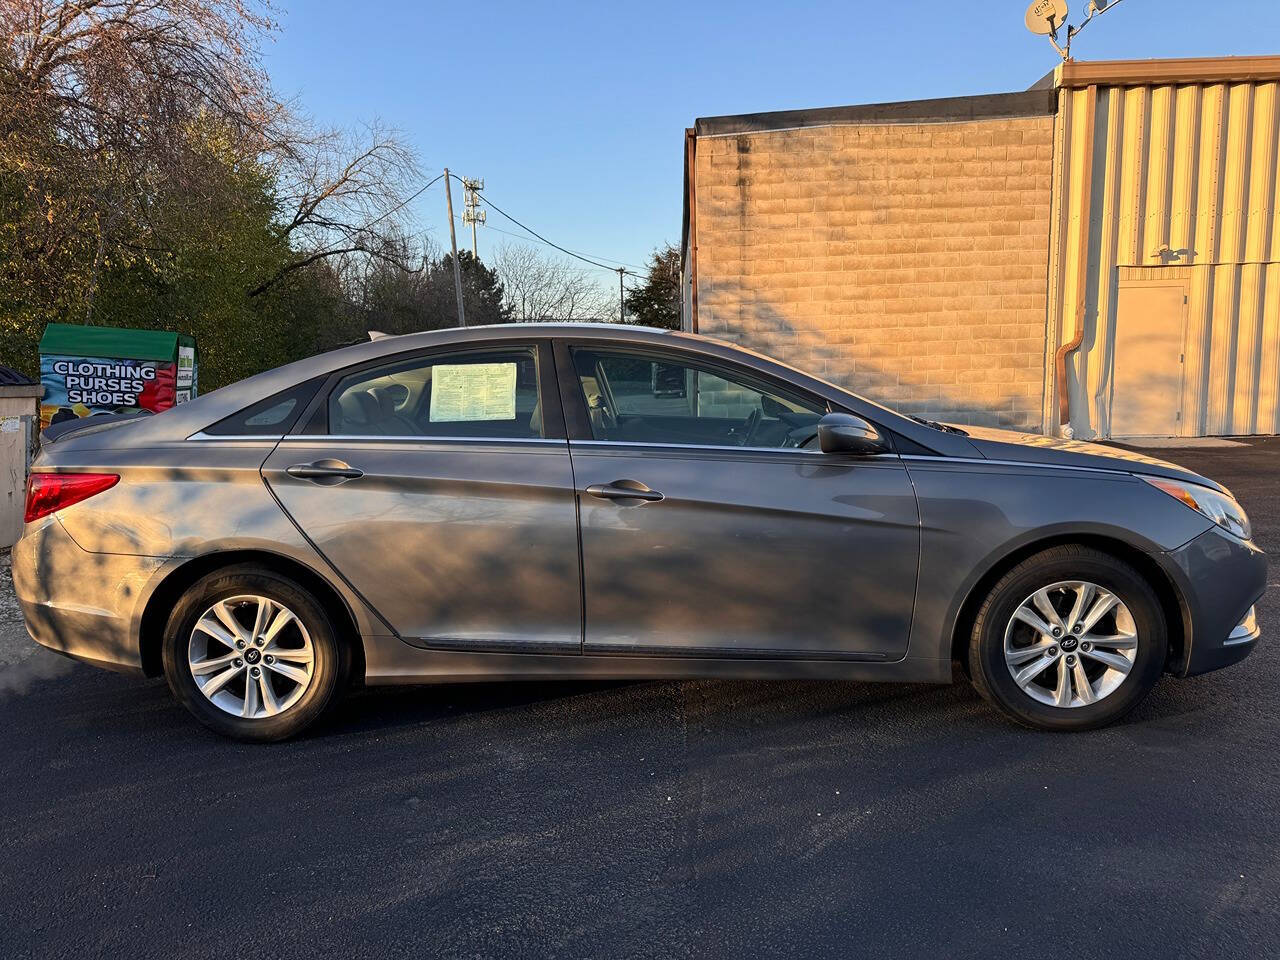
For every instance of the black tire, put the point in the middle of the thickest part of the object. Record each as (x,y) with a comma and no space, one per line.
(991,675)
(331,658)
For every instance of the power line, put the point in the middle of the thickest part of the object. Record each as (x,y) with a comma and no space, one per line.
(473,188)
(625,263)
(382,216)
(408,200)
(551,243)
(521,236)
(622,272)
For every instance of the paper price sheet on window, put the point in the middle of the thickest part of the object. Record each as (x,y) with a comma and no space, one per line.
(473,391)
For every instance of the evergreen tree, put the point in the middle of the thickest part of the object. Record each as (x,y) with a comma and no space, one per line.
(657,302)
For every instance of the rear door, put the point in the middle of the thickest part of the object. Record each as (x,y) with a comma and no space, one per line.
(440,487)
(706,530)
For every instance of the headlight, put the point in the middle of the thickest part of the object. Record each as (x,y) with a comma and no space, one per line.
(1221,508)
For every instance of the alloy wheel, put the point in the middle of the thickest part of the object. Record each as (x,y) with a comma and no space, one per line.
(1070,644)
(251,656)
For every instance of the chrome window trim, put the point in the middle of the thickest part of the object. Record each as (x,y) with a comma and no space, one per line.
(720,447)
(265,437)
(318,439)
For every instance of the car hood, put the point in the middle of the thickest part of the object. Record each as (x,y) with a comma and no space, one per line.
(1053,451)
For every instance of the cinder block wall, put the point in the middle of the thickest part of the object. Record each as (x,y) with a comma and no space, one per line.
(905,261)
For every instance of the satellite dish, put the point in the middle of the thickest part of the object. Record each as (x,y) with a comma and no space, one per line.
(1046,16)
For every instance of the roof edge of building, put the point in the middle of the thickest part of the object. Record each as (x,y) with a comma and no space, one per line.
(1113,73)
(992,106)
(1037,101)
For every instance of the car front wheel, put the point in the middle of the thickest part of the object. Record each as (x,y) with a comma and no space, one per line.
(252,654)
(1070,639)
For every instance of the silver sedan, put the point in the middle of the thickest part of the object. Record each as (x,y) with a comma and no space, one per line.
(547,501)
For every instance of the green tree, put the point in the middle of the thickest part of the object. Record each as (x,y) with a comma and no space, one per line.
(656,303)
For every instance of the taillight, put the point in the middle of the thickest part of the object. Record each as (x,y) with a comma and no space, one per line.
(50,492)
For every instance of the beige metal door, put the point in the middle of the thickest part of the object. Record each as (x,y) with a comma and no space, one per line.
(1146,398)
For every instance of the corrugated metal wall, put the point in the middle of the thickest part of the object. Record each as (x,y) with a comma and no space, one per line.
(1179,178)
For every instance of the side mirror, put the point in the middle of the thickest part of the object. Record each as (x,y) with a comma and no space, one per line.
(845,433)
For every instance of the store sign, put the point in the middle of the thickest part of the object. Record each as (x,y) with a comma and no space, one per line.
(104,383)
(81,386)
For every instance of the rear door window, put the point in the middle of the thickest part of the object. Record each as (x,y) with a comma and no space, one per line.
(477,394)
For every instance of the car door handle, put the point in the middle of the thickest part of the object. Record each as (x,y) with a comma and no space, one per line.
(623,490)
(324,470)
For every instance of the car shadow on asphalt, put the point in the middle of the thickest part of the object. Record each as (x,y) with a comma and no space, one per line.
(725,705)
(722,705)
(806,707)
(370,709)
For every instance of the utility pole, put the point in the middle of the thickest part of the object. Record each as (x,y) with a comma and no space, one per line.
(472,212)
(622,299)
(453,242)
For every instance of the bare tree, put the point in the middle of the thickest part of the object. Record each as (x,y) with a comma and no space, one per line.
(343,193)
(121,77)
(539,287)
(99,100)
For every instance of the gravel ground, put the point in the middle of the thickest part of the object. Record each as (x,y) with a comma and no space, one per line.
(691,819)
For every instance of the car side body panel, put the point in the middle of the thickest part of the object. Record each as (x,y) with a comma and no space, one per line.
(85,605)
(393,662)
(453,542)
(176,502)
(976,513)
(173,498)
(1219,578)
(749,553)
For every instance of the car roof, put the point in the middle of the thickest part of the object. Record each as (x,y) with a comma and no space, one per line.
(192,417)
(502,331)
(626,333)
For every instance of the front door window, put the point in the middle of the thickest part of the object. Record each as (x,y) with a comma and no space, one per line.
(647,398)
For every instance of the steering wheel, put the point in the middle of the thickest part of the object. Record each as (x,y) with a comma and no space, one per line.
(750,427)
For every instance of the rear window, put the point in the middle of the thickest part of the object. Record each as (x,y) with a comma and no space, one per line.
(271,417)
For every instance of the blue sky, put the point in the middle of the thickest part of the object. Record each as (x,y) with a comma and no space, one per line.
(574,112)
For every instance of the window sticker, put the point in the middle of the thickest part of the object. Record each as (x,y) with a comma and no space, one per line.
(473,391)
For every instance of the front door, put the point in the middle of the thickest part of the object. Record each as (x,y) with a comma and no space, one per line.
(710,529)
(442,494)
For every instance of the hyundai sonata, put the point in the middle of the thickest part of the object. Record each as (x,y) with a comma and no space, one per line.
(549,501)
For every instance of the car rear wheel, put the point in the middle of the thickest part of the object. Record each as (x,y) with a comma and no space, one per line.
(1070,639)
(252,654)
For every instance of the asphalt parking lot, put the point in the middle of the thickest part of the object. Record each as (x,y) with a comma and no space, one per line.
(691,819)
